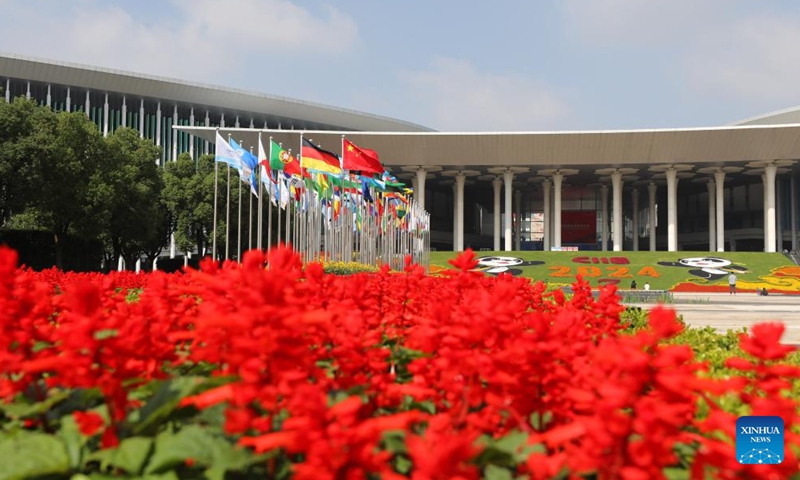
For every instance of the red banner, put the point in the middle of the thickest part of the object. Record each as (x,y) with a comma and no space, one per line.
(578,227)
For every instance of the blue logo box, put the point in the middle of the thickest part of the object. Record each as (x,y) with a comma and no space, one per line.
(759,440)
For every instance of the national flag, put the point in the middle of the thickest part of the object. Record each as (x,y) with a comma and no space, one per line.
(362,159)
(280,159)
(365,192)
(315,158)
(248,163)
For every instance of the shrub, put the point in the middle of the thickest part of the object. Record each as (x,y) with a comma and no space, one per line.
(348,268)
(242,372)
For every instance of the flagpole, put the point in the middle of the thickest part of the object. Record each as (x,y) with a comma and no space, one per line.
(259,180)
(216,179)
(228,211)
(250,211)
(239,221)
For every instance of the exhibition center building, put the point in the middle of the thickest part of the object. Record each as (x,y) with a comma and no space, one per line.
(722,188)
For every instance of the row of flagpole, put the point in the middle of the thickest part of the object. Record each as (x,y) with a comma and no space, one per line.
(364,219)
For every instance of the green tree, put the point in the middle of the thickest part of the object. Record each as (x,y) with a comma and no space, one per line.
(126,197)
(64,167)
(27,132)
(189,196)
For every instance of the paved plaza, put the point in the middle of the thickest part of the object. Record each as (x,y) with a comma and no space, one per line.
(724,311)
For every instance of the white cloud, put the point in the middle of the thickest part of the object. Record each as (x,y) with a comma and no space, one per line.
(749,61)
(634,23)
(208,39)
(267,25)
(454,95)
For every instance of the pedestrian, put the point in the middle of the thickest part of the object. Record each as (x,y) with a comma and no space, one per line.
(647,285)
(732,283)
(633,284)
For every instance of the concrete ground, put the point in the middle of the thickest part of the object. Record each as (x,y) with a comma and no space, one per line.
(723,311)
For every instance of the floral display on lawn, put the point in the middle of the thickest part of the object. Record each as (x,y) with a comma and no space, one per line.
(783,280)
(632,270)
(275,369)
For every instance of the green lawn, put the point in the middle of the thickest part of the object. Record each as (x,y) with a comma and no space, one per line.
(754,270)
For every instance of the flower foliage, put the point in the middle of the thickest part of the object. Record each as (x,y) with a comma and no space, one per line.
(274,369)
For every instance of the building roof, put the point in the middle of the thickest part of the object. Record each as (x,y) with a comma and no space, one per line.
(589,150)
(193,94)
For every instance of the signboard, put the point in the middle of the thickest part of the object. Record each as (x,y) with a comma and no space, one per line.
(578,227)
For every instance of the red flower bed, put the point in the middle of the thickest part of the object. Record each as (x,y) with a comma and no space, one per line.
(398,374)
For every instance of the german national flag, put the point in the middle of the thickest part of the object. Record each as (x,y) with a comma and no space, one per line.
(314,158)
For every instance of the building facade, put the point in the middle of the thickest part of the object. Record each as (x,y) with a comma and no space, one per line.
(713,189)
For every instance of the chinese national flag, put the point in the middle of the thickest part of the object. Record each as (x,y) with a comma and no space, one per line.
(362,159)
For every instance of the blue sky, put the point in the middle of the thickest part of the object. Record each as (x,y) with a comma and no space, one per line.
(449,65)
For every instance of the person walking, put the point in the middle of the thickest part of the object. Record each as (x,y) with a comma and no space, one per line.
(732,283)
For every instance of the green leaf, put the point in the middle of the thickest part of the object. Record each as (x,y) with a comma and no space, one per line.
(403,464)
(512,442)
(130,456)
(493,472)
(395,442)
(29,455)
(25,410)
(196,443)
(539,421)
(107,333)
(674,473)
(165,400)
(74,442)
(171,475)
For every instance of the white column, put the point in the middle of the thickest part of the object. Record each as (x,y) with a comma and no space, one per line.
(191,137)
(237,121)
(49,98)
(414,185)
(105,116)
(124,112)
(778,216)
(793,208)
(770,171)
(172,250)
(672,210)
(158,124)
(69,99)
(518,210)
(719,183)
(616,183)
(174,134)
(208,124)
(141,119)
(635,202)
(546,211)
(222,120)
(88,103)
(604,214)
(28,92)
(557,178)
(8,91)
(764,185)
(712,216)
(252,125)
(455,217)
(419,192)
(497,184)
(651,191)
(460,178)
(508,178)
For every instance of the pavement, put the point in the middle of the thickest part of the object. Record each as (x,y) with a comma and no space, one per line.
(724,311)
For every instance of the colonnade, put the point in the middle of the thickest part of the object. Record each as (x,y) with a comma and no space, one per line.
(665,175)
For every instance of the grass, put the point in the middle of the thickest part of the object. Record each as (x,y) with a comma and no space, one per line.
(771,270)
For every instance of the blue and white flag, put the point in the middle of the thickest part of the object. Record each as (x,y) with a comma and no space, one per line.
(248,163)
